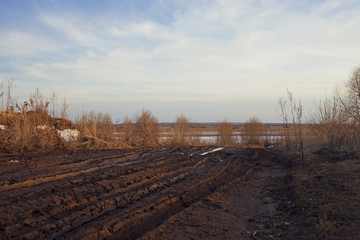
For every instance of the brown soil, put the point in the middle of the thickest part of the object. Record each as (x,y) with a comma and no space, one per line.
(319,198)
(170,193)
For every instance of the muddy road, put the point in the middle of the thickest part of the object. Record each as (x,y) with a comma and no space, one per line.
(170,193)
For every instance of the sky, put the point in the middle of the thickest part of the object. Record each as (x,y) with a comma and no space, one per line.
(209,60)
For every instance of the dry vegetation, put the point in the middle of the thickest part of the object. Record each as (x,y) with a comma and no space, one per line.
(225,135)
(34,125)
(180,132)
(253,130)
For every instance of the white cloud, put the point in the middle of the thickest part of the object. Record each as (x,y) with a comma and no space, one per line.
(229,50)
(81,34)
(23,44)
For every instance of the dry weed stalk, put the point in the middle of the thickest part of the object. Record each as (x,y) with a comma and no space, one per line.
(293,131)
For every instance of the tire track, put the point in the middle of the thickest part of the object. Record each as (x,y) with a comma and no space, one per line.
(118,192)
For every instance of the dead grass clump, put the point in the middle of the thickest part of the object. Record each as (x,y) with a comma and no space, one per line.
(142,131)
(329,125)
(225,135)
(96,125)
(23,136)
(127,131)
(29,126)
(92,143)
(180,132)
(252,131)
(146,129)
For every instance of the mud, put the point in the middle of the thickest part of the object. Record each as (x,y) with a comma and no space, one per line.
(170,193)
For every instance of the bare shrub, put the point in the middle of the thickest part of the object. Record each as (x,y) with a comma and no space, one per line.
(146,129)
(127,131)
(194,135)
(97,125)
(225,135)
(180,132)
(293,124)
(329,124)
(105,127)
(252,132)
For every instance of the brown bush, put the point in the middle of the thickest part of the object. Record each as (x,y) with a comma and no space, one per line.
(146,129)
(28,126)
(180,132)
(225,135)
(252,132)
(329,124)
(96,125)
(127,131)
(22,133)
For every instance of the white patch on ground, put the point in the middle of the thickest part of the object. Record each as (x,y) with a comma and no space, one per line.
(214,150)
(69,135)
(2,127)
(42,127)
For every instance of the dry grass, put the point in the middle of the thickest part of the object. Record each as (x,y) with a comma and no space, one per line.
(252,132)
(180,132)
(96,125)
(142,131)
(225,136)
(29,127)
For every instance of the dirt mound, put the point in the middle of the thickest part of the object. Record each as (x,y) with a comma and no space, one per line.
(36,118)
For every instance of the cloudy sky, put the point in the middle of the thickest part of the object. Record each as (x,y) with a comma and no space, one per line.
(209,60)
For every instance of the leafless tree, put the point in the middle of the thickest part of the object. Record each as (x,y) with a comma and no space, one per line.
(351,101)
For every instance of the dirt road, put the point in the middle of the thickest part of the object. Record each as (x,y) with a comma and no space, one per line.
(170,193)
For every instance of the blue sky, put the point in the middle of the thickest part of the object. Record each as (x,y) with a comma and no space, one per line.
(209,60)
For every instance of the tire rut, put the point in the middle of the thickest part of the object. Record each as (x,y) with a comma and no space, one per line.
(125,197)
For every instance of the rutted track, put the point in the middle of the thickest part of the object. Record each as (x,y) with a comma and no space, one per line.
(113,194)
